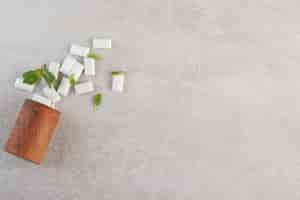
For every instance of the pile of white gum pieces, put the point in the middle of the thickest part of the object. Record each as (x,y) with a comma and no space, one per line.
(76,64)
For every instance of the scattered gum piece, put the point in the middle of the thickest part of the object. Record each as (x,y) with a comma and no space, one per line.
(53,67)
(76,70)
(118,79)
(51,94)
(101,43)
(89,67)
(79,50)
(64,87)
(24,86)
(83,88)
(67,65)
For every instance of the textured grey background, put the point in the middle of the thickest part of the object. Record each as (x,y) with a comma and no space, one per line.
(211,109)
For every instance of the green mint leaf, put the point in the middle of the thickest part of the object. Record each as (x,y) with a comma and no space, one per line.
(114,73)
(48,76)
(72,80)
(97,100)
(95,56)
(39,71)
(32,76)
(57,81)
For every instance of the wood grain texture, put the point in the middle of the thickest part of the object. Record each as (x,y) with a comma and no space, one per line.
(33,130)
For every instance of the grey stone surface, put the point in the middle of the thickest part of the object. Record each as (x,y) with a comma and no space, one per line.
(211,108)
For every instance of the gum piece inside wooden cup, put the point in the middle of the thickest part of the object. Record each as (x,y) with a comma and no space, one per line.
(33,130)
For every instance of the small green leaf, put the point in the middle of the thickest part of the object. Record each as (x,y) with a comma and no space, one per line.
(72,80)
(114,73)
(39,72)
(32,76)
(48,76)
(97,100)
(57,81)
(95,56)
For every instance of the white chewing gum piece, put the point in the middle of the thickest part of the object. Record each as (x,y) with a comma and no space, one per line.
(23,86)
(79,50)
(67,65)
(118,82)
(64,87)
(41,99)
(77,70)
(51,94)
(53,67)
(83,88)
(99,43)
(89,67)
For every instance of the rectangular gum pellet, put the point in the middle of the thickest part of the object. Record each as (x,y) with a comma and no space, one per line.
(89,67)
(118,82)
(83,88)
(53,67)
(23,86)
(64,87)
(79,50)
(51,94)
(67,65)
(76,70)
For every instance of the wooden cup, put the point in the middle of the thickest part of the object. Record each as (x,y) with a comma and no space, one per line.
(33,130)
